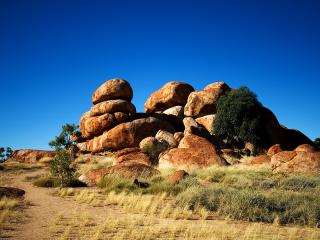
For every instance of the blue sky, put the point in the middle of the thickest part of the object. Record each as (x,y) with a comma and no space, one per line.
(54,54)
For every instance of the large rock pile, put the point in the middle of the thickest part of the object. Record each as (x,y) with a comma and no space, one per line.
(177,128)
(112,122)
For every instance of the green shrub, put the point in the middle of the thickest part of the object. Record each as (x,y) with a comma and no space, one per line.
(60,167)
(239,116)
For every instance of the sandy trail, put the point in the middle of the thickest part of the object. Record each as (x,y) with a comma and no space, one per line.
(45,207)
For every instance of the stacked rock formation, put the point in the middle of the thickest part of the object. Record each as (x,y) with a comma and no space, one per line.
(177,128)
(112,122)
(111,106)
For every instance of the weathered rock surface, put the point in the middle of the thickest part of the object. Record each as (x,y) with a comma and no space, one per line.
(30,155)
(201,103)
(94,126)
(167,137)
(176,111)
(178,136)
(305,148)
(132,155)
(261,159)
(127,170)
(298,162)
(153,147)
(220,87)
(177,176)
(112,106)
(129,134)
(193,151)
(113,89)
(274,149)
(170,95)
(207,122)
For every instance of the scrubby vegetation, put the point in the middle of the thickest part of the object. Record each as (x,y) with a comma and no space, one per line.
(239,117)
(64,140)
(5,153)
(250,195)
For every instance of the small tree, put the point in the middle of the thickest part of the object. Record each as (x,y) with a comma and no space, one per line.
(64,140)
(5,153)
(317,143)
(60,167)
(239,116)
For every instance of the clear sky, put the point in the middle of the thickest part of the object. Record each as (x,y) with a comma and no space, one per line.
(54,54)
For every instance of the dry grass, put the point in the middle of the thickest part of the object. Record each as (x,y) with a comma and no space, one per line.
(8,215)
(83,226)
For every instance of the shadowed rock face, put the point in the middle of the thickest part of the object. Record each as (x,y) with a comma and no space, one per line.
(30,155)
(170,95)
(128,134)
(113,89)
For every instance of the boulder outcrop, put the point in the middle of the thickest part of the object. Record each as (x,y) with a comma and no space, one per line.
(131,170)
(127,134)
(193,151)
(30,155)
(170,95)
(298,162)
(113,89)
(201,103)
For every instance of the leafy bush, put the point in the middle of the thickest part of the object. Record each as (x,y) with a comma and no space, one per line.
(60,167)
(5,153)
(64,140)
(239,116)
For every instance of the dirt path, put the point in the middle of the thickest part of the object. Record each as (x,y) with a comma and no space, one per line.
(45,207)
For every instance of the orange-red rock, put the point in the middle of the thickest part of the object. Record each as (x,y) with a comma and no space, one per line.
(177,176)
(170,95)
(94,126)
(112,106)
(132,155)
(127,170)
(30,155)
(128,134)
(219,86)
(298,162)
(274,150)
(201,103)
(193,151)
(305,148)
(113,89)
(259,160)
